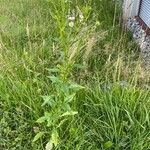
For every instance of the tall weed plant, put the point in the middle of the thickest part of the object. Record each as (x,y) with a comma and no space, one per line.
(70,22)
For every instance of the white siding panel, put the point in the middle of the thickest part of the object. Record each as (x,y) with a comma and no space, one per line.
(145,12)
(130,8)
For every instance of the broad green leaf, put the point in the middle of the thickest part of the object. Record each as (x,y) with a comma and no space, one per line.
(38,136)
(55,137)
(76,86)
(49,146)
(108,144)
(79,66)
(49,118)
(41,120)
(53,70)
(48,100)
(66,107)
(69,98)
(64,88)
(47,115)
(49,123)
(69,113)
(54,79)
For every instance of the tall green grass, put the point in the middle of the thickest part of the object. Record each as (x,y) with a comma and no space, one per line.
(70,78)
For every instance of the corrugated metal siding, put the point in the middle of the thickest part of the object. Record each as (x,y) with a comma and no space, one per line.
(145,12)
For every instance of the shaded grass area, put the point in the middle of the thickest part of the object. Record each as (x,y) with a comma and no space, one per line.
(113,107)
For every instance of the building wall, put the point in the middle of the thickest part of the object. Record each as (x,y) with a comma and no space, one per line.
(130,8)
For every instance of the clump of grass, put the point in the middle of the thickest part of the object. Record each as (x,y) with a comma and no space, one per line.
(70,78)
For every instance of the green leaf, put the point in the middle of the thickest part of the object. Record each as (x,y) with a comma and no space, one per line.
(47,115)
(55,137)
(77,87)
(69,98)
(53,70)
(38,136)
(54,79)
(66,107)
(49,118)
(48,100)
(69,113)
(41,120)
(108,144)
(61,123)
(79,66)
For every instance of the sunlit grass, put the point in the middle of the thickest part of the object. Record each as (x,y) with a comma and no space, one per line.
(74,51)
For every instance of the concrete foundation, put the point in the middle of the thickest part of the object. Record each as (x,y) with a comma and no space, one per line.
(130,10)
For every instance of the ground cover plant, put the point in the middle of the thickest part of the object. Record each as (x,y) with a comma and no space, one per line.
(71,78)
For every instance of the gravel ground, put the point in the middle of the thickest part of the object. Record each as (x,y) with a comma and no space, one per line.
(142,39)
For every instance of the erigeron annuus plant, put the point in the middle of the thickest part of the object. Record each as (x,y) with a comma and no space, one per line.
(60,101)
(59,104)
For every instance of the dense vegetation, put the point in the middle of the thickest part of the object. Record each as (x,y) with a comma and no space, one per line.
(70,78)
